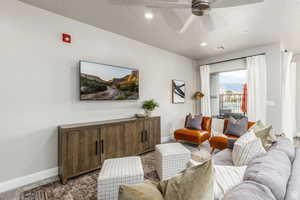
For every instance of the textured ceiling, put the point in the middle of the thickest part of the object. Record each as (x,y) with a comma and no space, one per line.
(237,28)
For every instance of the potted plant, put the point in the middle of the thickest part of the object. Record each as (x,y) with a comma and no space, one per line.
(149,106)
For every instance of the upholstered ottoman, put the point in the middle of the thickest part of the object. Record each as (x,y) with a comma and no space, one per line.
(171,159)
(115,172)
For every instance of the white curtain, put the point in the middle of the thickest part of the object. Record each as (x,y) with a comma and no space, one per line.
(205,89)
(257,88)
(214,94)
(288,93)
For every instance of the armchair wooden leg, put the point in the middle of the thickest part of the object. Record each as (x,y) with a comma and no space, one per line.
(212,150)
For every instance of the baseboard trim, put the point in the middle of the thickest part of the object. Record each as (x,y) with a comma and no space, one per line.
(166,139)
(42,175)
(29,179)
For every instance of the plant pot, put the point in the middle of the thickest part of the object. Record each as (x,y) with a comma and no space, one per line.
(148,113)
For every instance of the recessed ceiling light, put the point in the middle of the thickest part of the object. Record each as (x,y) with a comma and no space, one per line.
(221,48)
(203,44)
(149,15)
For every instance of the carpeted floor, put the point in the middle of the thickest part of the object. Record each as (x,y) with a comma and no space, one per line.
(84,187)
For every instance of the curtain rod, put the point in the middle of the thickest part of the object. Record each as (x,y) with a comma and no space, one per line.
(213,63)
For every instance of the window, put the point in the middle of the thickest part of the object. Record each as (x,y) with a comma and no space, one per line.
(228,93)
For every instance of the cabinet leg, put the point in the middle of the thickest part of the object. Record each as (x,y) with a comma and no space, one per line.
(212,150)
(64,181)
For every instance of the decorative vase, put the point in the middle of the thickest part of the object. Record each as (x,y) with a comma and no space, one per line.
(148,113)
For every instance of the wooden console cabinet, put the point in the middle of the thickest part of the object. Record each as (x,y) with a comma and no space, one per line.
(84,147)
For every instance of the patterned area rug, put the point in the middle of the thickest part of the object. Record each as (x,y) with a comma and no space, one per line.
(84,187)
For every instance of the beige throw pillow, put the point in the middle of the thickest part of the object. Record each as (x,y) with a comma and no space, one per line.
(143,191)
(264,133)
(195,183)
(226,178)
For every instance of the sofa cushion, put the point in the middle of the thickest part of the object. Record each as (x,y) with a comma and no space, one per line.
(249,190)
(237,127)
(194,122)
(246,148)
(272,170)
(223,157)
(293,192)
(285,145)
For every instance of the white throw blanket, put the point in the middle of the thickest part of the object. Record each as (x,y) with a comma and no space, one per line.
(217,127)
(226,178)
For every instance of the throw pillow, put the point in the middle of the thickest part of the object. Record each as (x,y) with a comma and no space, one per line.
(195,183)
(257,126)
(246,148)
(217,127)
(266,136)
(143,191)
(237,127)
(194,122)
(226,178)
(265,133)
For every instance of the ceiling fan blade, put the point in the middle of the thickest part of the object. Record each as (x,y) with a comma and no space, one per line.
(188,23)
(127,2)
(232,3)
(162,4)
(171,18)
(208,22)
(138,2)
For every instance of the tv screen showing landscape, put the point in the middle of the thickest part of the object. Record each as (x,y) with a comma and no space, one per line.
(106,82)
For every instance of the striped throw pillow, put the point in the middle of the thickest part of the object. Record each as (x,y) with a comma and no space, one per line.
(246,148)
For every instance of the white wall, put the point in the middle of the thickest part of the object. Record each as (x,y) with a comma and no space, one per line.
(273,59)
(39,83)
(297,60)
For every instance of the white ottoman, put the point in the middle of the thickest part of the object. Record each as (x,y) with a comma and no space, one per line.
(171,159)
(115,172)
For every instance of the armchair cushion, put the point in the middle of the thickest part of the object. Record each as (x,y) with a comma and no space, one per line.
(190,135)
(237,127)
(194,122)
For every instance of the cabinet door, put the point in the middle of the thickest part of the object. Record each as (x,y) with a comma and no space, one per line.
(83,152)
(142,144)
(156,131)
(132,137)
(112,141)
(152,132)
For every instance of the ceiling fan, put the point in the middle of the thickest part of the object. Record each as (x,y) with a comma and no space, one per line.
(199,9)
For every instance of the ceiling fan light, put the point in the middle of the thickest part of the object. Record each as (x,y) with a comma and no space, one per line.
(149,15)
(203,44)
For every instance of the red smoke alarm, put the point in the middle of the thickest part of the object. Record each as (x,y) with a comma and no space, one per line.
(66,38)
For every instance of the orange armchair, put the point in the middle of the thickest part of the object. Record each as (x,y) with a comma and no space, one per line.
(221,142)
(195,136)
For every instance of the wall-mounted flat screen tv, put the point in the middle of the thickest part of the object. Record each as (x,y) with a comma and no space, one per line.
(107,82)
